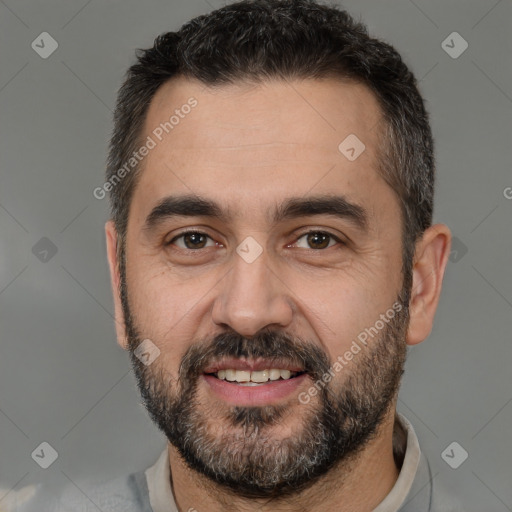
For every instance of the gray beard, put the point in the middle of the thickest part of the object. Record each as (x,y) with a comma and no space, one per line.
(240,454)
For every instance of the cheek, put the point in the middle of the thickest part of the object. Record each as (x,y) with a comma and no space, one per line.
(340,318)
(339,307)
(166,307)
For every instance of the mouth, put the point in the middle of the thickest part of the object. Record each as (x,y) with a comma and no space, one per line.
(253,382)
(255,377)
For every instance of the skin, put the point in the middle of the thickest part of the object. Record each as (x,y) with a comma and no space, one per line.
(249,148)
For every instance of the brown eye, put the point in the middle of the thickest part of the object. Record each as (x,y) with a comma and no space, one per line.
(191,240)
(194,241)
(318,240)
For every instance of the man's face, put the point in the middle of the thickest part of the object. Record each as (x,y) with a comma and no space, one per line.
(252,290)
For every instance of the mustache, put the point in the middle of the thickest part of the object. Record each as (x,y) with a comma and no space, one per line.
(265,345)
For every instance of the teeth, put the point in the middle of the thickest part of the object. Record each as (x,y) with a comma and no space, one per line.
(275,374)
(256,377)
(286,374)
(261,376)
(231,375)
(242,376)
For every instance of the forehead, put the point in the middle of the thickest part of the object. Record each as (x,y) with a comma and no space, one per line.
(248,145)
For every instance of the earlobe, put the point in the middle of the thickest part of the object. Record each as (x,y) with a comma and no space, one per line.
(115,280)
(430,259)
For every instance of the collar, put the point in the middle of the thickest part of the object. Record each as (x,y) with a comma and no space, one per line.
(403,484)
(158,477)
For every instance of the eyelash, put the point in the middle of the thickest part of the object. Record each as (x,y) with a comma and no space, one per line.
(314,231)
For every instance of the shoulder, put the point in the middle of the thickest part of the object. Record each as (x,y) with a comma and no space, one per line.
(127,493)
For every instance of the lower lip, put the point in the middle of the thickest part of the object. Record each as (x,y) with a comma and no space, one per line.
(264,394)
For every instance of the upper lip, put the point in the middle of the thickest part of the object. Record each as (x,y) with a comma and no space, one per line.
(252,365)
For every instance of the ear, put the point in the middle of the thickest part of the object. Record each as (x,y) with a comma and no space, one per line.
(430,259)
(115,281)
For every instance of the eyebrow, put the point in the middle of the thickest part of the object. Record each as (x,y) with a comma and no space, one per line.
(194,206)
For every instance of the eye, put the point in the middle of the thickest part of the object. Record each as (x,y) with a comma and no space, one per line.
(318,240)
(191,240)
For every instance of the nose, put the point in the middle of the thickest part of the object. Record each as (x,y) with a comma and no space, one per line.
(252,297)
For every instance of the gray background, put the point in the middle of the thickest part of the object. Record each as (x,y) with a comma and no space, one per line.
(64,380)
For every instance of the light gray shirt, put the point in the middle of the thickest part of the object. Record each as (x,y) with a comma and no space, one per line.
(150,490)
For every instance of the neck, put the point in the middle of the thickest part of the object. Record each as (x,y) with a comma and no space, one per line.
(359,484)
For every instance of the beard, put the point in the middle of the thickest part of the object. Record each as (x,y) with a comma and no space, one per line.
(241,448)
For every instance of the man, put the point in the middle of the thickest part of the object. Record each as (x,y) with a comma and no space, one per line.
(272,255)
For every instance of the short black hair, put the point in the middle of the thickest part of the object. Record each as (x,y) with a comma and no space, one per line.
(257,40)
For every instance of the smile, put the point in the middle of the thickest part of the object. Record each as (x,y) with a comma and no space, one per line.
(255,378)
